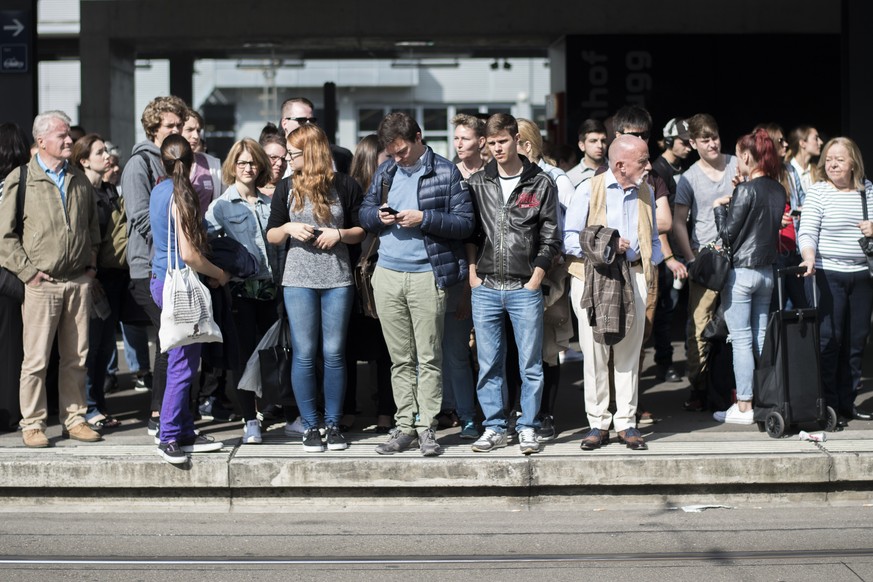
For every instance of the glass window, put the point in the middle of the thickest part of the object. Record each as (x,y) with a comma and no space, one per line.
(368,119)
(408,111)
(436,119)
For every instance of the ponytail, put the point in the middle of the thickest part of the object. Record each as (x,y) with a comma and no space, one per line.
(177,157)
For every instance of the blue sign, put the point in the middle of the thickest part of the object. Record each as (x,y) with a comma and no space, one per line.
(16,44)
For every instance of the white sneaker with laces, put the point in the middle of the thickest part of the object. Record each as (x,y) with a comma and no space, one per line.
(734,415)
(490,439)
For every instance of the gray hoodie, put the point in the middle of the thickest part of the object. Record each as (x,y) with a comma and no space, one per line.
(137,182)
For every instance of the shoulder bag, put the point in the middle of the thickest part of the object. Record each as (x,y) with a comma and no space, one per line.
(711,267)
(10,285)
(866,242)
(367,265)
(186,316)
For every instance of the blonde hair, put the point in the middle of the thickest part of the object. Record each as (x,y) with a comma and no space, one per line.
(247,144)
(854,154)
(315,179)
(529,132)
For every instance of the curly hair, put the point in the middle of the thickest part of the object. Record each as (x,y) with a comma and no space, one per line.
(314,181)
(151,115)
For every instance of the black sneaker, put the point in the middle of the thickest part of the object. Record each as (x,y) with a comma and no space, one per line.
(312,441)
(199,443)
(546,432)
(215,411)
(335,439)
(428,444)
(397,443)
(153,425)
(171,452)
(110,384)
(143,383)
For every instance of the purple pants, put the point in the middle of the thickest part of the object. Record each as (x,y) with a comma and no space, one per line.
(176,419)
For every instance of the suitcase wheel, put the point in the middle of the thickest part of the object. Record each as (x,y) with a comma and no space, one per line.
(775,425)
(829,423)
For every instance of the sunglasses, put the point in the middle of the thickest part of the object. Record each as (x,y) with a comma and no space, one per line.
(643,135)
(302,120)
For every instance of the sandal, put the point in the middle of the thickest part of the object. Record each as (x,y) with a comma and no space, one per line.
(101,422)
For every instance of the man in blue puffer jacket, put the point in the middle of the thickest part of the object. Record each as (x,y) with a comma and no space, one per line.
(421,210)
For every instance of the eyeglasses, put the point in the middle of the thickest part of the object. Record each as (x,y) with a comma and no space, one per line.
(274,159)
(294,155)
(302,120)
(242,165)
(643,135)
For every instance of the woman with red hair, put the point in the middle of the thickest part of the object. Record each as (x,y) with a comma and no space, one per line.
(748,223)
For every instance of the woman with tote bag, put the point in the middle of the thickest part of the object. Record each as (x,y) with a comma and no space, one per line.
(179,236)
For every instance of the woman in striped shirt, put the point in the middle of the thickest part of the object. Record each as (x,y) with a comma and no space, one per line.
(832,222)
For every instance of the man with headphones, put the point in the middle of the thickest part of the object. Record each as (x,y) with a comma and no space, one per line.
(669,167)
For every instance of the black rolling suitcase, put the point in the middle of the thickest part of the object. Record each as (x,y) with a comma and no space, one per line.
(788,375)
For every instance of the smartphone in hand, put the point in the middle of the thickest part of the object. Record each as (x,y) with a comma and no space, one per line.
(389,210)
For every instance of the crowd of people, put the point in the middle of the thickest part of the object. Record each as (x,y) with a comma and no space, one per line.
(488,266)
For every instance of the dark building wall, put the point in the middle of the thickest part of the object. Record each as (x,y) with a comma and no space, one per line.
(741,80)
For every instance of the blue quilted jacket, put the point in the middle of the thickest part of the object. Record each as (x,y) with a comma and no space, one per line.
(448,214)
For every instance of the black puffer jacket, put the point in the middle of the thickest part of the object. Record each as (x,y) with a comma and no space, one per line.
(750,224)
(515,237)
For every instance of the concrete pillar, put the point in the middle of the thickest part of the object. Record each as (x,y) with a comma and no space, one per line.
(857,119)
(182,77)
(107,75)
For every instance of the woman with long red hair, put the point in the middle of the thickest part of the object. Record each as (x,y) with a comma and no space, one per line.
(315,213)
(748,223)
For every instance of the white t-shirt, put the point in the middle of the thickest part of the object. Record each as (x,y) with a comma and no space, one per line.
(508,185)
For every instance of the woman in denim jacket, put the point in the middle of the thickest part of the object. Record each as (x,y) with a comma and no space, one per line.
(242,213)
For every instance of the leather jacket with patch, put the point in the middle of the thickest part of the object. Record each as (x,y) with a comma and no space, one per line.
(513,238)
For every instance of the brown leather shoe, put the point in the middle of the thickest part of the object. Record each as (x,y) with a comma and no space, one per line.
(34,438)
(82,432)
(633,439)
(594,439)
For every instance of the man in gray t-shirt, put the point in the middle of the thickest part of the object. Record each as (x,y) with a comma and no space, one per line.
(709,178)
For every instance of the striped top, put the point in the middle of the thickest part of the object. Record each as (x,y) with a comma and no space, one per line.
(829,224)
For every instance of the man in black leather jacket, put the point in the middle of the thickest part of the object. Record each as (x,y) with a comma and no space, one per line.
(516,239)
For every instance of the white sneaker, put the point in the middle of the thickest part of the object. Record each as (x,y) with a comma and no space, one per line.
(490,439)
(295,429)
(733,415)
(527,441)
(252,433)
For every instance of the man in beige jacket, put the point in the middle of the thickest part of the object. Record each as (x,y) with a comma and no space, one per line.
(53,251)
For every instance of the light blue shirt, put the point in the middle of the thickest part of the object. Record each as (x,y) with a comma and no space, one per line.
(622,214)
(402,249)
(58,178)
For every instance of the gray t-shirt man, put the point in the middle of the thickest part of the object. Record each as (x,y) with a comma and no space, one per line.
(697,191)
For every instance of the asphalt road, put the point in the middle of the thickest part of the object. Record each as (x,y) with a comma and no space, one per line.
(793,543)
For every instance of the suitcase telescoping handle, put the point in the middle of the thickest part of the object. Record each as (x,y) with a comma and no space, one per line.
(796,272)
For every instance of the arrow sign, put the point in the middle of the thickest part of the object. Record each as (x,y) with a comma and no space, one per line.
(16,26)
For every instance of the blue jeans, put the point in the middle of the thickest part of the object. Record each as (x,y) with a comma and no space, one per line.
(845,304)
(746,298)
(314,314)
(525,310)
(457,372)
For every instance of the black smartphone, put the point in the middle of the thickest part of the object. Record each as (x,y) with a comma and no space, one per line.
(795,213)
(316,233)
(389,210)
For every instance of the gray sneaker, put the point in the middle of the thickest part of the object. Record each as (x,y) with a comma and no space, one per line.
(490,440)
(428,444)
(397,443)
(527,441)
